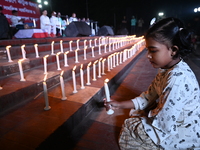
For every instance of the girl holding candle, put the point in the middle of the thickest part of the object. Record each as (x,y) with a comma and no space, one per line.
(166,116)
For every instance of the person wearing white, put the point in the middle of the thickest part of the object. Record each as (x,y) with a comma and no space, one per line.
(15,19)
(45,22)
(54,23)
(73,18)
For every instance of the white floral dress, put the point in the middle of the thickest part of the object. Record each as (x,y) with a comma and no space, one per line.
(175,122)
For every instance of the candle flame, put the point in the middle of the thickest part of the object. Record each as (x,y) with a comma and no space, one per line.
(58,53)
(45,78)
(74,68)
(81,66)
(20,60)
(22,46)
(85,40)
(78,40)
(35,45)
(76,50)
(95,62)
(61,41)
(9,46)
(85,48)
(52,42)
(66,52)
(106,80)
(100,59)
(46,56)
(61,74)
(89,64)
(104,60)
(70,41)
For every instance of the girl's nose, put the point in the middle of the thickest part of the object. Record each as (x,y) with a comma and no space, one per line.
(149,56)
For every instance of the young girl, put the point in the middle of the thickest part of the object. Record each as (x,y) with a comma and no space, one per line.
(172,100)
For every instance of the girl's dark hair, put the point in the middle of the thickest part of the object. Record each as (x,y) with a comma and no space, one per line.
(171,32)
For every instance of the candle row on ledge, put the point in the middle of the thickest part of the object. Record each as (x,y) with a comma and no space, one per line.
(113,60)
(114,42)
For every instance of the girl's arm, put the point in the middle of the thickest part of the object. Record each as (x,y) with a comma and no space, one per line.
(119,105)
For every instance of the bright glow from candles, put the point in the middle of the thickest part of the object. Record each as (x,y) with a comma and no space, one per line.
(81,76)
(88,74)
(8,53)
(58,60)
(108,61)
(65,59)
(76,56)
(103,66)
(23,52)
(21,70)
(85,50)
(99,65)
(105,48)
(70,45)
(107,93)
(99,49)
(74,79)
(93,51)
(90,43)
(77,43)
(47,107)
(85,43)
(34,24)
(36,50)
(62,85)
(95,42)
(114,60)
(52,48)
(45,63)
(61,46)
(94,70)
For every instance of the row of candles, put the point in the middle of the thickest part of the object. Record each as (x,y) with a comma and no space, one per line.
(112,61)
(113,43)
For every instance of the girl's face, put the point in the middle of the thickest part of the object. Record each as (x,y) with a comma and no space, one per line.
(159,55)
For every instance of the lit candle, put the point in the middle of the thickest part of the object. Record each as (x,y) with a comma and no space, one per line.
(8,53)
(103,66)
(52,48)
(110,111)
(47,107)
(120,57)
(93,51)
(99,40)
(88,74)
(61,46)
(105,48)
(113,46)
(58,61)
(62,85)
(117,58)
(74,79)
(99,49)
(90,43)
(111,61)
(1,88)
(70,45)
(34,24)
(99,65)
(21,70)
(81,76)
(77,43)
(65,59)
(94,70)
(110,47)
(36,50)
(45,63)
(23,52)
(95,42)
(85,53)
(108,62)
(76,56)
(85,43)
(114,60)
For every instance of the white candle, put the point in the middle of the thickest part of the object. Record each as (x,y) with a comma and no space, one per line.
(105,48)
(52,48)
(85,53)
(111,62)
(93,51)
(74,79)
(61,46)
(34,24)
(99,49)
(70,45)
(113,46)
(90,43)
(103,66)
(76,56)
(117,58)
(81,76)
(23,52)
(108,62)
(94,70)
(95,42)
(47,107)
(62,85)
(88,74)
(65,59)
(77,43)
(99,40)
(107,93)
(110,47)
(8,53)
(21,70)
(58,61)
(45,63)
(36,50)
(85,43)
(114,60)
(120,57)
(99,65)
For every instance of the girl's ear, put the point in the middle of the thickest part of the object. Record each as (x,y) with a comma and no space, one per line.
(174,50)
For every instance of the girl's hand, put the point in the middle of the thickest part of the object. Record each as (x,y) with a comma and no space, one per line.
(112,104)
